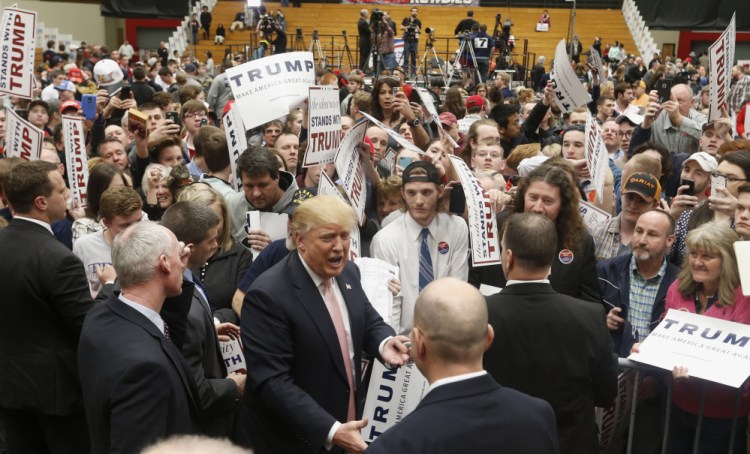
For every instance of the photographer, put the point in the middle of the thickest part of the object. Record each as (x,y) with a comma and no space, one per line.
(380,25)
(411,26)
(483,45)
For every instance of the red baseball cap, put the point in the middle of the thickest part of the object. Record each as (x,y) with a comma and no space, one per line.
(70,104)
(474,101)
(75,75)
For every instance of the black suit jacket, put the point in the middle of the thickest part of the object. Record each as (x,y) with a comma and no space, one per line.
(296,385)
(577,278)
(556,348)
(474,416)
(45,297)
(202,353)
(137,387)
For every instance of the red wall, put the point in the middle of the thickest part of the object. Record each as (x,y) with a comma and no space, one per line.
(132,26)
(687,38)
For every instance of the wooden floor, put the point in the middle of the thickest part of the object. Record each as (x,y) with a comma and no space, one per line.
(330,19)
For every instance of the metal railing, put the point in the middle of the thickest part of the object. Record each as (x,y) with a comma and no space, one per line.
(338,51)
(640,369)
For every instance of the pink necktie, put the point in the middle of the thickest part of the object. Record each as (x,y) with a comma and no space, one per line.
(338,322)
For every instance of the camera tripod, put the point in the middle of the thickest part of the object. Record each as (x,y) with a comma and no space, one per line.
(317,50)
(468,48)
(424,63)
(298,42)
(344,50)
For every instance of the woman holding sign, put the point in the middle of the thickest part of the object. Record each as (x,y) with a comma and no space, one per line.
(708,284)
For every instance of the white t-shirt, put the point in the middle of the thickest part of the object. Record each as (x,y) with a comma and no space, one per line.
(93,251)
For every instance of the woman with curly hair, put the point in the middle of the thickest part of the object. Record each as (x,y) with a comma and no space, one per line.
(551,191)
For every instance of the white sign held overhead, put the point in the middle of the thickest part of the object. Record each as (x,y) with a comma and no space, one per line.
(485,245)
(236,142)
(267,88)
(17,41)
(324,136)
(393,134)
(74,137)
(710,348)
(350,169)
(22,139)
(721,56)
(597,157)
(569,92)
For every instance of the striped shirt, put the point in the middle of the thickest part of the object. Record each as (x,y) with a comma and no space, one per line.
(642,298)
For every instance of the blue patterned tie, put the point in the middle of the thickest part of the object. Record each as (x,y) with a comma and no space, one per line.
(425,262)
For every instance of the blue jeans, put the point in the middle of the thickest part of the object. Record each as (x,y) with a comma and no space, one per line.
(411,46)
(715,434)
(387,61)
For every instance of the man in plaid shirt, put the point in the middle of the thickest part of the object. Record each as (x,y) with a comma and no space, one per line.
(740,89)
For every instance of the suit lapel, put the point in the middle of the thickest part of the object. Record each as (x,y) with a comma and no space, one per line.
(310,299)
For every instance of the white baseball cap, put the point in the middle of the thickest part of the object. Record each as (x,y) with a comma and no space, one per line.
(706,161)
(107,72)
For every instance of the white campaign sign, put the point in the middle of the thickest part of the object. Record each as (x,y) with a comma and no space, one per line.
(721,56)
(236,142)
(74,137)
(17,40)
(485,246)
(350,169)
(596,63)
(234,359)
(267,88)
(393,134)
(592,216)
(713,349)
(392,394)
(597,157)
(427,101)
(22,139)
(324,135)
(613,421)
(569,91)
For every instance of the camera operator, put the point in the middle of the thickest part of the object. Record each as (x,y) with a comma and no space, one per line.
(380,24)
(411,26)
(483,45)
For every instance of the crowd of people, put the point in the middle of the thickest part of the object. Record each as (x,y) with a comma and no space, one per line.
(112,326)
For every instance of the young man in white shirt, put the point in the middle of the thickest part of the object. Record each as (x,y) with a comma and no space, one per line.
(120,208)
(421,230)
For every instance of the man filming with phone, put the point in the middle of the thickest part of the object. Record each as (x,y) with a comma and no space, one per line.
(695,179)
(677,126)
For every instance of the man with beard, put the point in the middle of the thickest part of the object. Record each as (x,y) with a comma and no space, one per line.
(634,288)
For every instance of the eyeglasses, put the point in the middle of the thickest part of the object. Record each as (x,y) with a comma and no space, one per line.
(729,179)
(484,154)
(624,134)
(195,115)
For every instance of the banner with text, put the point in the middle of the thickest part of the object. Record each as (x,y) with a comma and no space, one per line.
(234,359)
(569,92)
(22,139)
(613,421)
(485,246)
(350,169)
(267,88)
(597,157)
(324,135)
(710,348)
(236,142)
(414,2)
(74,137)
(392,394)
(17,41)
(721,56)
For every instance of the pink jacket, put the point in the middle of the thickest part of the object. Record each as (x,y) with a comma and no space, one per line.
(720,399)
